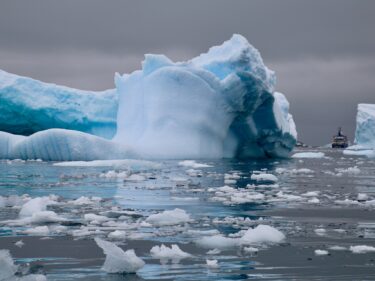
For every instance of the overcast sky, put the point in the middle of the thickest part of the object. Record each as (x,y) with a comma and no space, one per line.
(323,51)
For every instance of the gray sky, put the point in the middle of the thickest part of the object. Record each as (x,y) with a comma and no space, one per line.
(323,51)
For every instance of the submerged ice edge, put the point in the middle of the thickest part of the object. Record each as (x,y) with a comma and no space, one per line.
(219,104)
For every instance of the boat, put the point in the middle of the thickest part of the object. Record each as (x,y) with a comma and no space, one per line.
(340,140)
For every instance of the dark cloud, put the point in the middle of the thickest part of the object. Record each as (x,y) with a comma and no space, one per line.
(323,51)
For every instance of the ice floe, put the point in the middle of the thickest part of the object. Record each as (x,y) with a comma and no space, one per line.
(10,272)
(361,249)
(308,155)
(319,252)
(165,253)
(170,217)
(212,263)
(118,261)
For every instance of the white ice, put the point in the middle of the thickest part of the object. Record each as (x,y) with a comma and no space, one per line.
(118,261)
(308,155)
(169,217)
(8,270)
(362,249)
(321,252)
(165,253)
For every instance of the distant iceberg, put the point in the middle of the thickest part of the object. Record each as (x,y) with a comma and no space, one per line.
(365,132)
(219,104)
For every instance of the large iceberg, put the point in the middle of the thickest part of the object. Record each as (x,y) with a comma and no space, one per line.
(28,106)
(365,131)
(219,104)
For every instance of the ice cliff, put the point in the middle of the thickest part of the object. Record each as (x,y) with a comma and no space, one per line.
(219,104)
(28,106)
(365,132)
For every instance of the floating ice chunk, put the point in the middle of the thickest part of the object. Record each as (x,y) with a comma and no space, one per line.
(117,235)
(288,197)
(337,248)
(136,178)
(233,176)
(7,266)
(347,201)
(360,150)
(19,243)
(8,270)
(308,155)
(320,231)
(321,252)
(38,231)
(294,171)
(35,205)
(311,194)
(362,197)
(302,171)
(44,217)
(213,252)
(114,174)
(83,231)
(83,200)
(174,253)
(172,217)
(212,263)
(281,170)
(194,173)
(264,178)
(118,261)
(251,250)
(217,242)
(351,170)
(193,164)
(362,249)
(314,200)
(262,234)
(93,218)
(240,198)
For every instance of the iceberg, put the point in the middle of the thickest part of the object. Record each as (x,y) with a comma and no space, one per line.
(365,132)
(220,104)
(28,106)
(365,128)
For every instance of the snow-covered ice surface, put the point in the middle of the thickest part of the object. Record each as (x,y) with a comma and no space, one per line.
(191,220)
(219,104)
